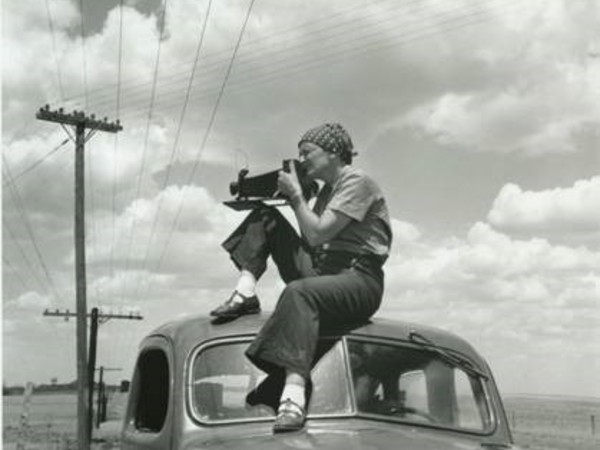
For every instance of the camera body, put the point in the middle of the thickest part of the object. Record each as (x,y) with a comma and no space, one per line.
(264,186)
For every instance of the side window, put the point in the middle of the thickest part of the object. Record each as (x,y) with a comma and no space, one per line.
(416,385)
(153,391)
(221,377)
(472,409)
(445,393)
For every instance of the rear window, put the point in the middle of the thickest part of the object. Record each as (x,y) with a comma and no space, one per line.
(221,377)
(416,385)
(152,395)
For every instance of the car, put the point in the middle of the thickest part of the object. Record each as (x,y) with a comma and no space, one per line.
(382,385)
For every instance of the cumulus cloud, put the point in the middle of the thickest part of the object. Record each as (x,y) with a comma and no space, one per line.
(540,98)
(165,246)
(404,232)
(522,119)
(486,257)
(571,210)
(498,291)
(33,301)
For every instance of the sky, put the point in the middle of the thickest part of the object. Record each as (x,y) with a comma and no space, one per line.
(479,120)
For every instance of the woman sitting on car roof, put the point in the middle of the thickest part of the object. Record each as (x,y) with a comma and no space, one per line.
(333,271)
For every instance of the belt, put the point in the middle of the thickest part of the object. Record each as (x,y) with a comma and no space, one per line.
(334,261)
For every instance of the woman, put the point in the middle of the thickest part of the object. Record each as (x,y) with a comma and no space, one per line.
(333,272)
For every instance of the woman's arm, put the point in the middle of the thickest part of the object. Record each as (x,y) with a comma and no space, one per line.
(316,229)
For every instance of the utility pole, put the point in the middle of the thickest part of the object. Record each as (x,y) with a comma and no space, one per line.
(96,319)
(81,122)
(92,366)
(101,408)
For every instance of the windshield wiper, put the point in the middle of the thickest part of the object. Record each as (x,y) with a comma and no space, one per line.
(450,358)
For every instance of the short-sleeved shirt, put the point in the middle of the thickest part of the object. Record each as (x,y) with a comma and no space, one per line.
(357,196)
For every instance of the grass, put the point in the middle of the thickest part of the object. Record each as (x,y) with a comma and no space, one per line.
(554,423)
(52,422)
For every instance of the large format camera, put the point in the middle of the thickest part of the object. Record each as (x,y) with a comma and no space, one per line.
(252,190)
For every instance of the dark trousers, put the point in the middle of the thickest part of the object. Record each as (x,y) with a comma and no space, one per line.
(323,292)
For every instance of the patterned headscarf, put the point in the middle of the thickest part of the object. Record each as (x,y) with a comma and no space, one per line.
(331,137)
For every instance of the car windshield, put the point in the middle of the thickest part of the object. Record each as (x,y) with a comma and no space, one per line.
(416,385)
(222,376)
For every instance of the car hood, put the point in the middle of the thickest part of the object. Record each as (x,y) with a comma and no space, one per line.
(334,435)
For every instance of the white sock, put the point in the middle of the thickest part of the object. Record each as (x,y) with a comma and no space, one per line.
(295,393)
(246,285)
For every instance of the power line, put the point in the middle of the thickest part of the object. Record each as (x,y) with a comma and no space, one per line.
(83,59)
(345,52)
(339,40)
(179,127)
(247,83)
(152,97)
(20,133)
(58,73)
(37,163)
(260,51)
(415,37)
(208,129)
(226,52)
(319,34)
(116,140)
(46,179)
(14,240)
(15,271)
(146,135)
(19,203)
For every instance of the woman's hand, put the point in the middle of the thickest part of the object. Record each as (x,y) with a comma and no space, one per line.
(288,184)
(316,229)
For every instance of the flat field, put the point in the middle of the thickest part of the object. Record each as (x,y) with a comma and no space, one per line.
(554,423)
(538,423)
(52,422)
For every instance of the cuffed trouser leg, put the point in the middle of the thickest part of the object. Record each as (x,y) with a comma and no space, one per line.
(265,232)
(306,307)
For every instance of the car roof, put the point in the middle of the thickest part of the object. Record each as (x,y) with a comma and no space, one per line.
(189,332)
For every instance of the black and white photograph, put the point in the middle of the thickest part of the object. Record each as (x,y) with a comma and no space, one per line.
(300,224)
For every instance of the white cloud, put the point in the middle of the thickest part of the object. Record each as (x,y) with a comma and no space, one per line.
(524,119)
(404,232)
(33,301)
(502,294)
(541,94)
(165,248)
(571,210)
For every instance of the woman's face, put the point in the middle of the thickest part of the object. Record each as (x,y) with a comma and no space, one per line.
(314,159)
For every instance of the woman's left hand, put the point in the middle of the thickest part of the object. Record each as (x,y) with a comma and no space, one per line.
(288,184)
